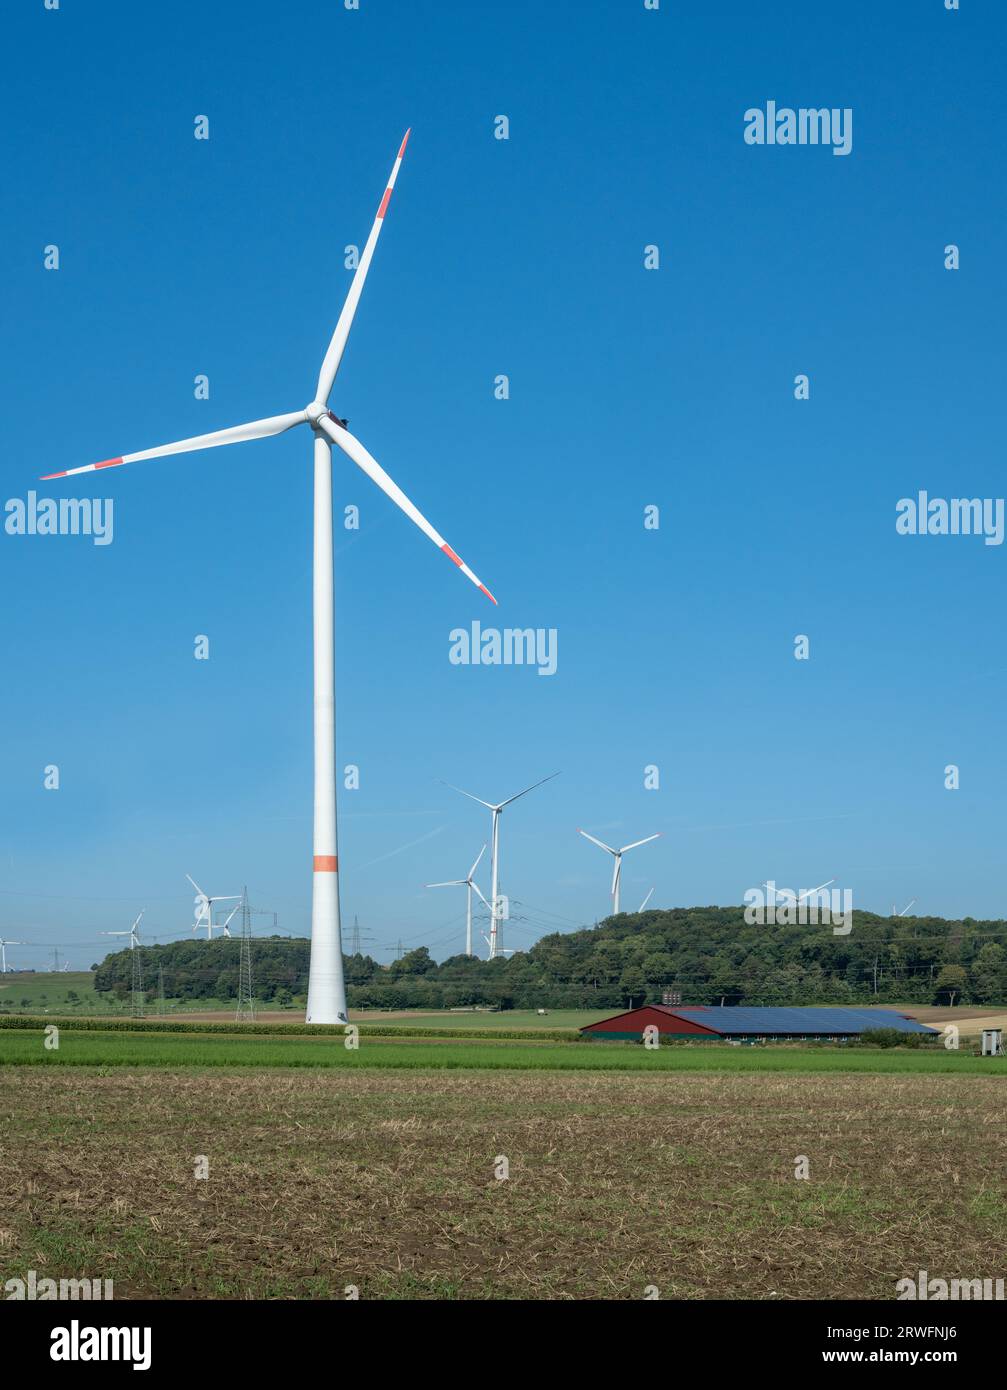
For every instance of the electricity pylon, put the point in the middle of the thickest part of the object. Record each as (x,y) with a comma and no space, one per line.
(246,1002)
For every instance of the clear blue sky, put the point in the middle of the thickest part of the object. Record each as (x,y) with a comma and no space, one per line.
(628,387)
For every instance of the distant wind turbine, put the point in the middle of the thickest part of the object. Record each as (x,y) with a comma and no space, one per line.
(495,808)
(789,892)
(617,868)
(133,934)
(646,900)
(4,943)
(204,907)
(469,883)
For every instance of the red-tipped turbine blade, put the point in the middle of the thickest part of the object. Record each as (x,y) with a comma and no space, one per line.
(238,434)
(377,474)
(334,353)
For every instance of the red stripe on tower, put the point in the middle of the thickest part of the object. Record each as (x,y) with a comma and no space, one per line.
(326,864)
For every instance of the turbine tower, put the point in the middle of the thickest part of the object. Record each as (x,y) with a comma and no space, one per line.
(204,908)
(469,883)
(4,943)
(326,986)
(617,868)
(495,808)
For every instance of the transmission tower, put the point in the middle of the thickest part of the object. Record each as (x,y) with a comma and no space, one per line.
(137,1002)
(246,1003)
(358,937)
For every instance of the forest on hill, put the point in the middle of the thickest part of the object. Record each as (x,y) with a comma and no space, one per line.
(708,955)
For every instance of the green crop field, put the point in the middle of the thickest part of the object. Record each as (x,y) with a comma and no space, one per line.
(25,1046)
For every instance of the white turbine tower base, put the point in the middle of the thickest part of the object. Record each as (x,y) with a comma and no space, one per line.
(617,866)
(326,988)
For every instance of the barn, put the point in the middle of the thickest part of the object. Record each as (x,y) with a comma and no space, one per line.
(749,1025)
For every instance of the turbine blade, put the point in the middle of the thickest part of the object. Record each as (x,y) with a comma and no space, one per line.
(808,891)
(480,892)
(488,804)
(476,864)
(637,843)
(256,429)
(195,885)
(529,789)
(646,900)
(334,352)
(356,451)
(600,843)
(616,873)
(448,883)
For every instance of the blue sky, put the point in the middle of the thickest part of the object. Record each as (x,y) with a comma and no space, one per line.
(629,388)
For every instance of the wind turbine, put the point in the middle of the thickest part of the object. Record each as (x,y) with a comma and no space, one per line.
(617,869)
(646,901)
(495,808)
(204,907)
(795,898)
(326,986)
(468,883)
(908,905)
(133,933)
(225,924)
(4,943)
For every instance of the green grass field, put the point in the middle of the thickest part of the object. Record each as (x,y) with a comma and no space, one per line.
(483,1018)
(21,992)
(25,1047)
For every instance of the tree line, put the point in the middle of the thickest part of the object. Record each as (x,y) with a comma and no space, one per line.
(707,955)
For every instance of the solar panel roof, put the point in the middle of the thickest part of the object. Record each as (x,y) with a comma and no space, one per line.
(738,1019)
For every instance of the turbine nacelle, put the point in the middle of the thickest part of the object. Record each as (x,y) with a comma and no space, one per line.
(315,411)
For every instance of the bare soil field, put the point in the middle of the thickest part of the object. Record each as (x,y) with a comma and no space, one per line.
(387,1182)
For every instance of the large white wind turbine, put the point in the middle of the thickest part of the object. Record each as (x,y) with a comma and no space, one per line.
(326,987)
(4,943)
(495,808)
(469,883)
(617,868)
(203,904)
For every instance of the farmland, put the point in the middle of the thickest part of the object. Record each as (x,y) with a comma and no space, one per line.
(25,1047)
(386,1180)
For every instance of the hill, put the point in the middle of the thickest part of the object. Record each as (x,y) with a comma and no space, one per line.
(707,954)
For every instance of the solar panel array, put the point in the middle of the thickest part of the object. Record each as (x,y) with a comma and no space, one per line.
(736,1020)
